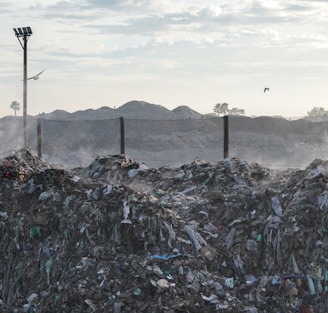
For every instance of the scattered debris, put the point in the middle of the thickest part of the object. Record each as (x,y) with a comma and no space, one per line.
(117,236)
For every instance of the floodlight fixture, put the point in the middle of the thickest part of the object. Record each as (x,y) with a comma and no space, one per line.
(24,33)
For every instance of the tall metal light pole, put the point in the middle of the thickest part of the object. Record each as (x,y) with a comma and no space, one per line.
(24,33)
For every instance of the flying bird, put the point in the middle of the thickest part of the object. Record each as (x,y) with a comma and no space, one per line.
(37,76)
(266,89)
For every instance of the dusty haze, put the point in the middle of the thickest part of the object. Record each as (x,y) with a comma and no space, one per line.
(158,137)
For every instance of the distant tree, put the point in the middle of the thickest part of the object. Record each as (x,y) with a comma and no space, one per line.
(15,106)
(317,112)
(223,109)
(236,111)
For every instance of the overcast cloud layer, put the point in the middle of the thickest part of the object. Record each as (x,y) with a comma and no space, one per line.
(167,52)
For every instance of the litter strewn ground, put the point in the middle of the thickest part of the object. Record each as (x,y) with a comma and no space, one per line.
(117,236)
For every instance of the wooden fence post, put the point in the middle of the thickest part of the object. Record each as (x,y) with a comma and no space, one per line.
(226,136)
(122,135)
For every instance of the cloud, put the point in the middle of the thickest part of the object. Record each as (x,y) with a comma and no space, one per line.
(167,40)
(133,5)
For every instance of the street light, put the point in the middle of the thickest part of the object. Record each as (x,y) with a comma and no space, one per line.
(23,35)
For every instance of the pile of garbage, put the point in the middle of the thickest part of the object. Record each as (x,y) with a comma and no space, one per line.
(117,236)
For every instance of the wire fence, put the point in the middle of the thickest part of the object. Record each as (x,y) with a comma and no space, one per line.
(271,142)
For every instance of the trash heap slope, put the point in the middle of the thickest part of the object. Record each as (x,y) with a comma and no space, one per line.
(119,237)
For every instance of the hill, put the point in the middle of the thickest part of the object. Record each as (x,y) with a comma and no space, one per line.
(130,110)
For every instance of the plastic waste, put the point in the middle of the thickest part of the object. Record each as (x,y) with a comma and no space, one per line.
(250,279)
(68,202)
(296,269)
(165,257)
(18,271)
(319,170)
(291,288)
(251,246)
(190,277)
(46,250)
(32,297)
(208,252)
(91,305)
(275,202)
(126,212)
(117,307)
(75,178)
(44,196)
(189,190)
(212,298)
(163,283)
(230,238)
(137,292)
(35,232)
(319,286)
(259,237)
(48,269)
(96,261)
(208,179)
(4,215)
(251,309)
(133,172)
(157,270)
(275,281)
(219,289)
(108,189)
(238,262)
(196,238)
(310,285)
(229,282)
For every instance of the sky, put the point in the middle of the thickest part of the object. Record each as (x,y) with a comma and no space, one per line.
(194,53)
